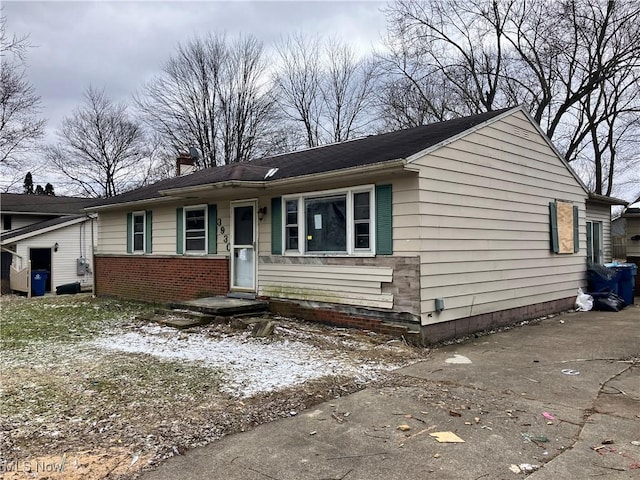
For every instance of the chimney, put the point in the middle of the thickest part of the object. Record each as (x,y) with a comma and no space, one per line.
(185,164)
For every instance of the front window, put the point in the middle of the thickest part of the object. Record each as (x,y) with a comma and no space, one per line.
(195,231)
(335,222)
(326,224)
(138,232)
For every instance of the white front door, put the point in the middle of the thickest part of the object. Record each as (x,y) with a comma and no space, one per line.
(243,246)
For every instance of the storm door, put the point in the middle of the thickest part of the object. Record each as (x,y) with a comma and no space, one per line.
(243,246)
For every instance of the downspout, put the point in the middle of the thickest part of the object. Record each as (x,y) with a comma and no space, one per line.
(93,263)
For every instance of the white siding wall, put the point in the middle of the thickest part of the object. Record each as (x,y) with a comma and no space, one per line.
(484,223)
(73,242)
(19,221)
(602,213)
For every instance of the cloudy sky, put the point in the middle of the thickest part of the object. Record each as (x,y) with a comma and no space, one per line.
(117,45)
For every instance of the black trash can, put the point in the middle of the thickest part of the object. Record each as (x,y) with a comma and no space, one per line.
(68,288)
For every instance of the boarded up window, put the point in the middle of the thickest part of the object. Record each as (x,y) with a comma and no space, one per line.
(564,227)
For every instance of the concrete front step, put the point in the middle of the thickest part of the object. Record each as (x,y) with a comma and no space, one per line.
(203,318)
(222,306)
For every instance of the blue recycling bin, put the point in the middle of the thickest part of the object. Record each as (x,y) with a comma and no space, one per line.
(627,281)
(38,282)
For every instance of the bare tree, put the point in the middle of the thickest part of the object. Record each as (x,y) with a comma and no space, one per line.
(20,125)
(568,61)
(212,95)
(101,149)
(324,90)
(298,84)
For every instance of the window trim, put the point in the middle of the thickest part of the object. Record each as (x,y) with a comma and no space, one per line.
(590,246)
(189,208)
(143,214)
(350,227)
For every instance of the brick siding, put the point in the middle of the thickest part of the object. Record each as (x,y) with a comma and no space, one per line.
(160,279)
(335,317)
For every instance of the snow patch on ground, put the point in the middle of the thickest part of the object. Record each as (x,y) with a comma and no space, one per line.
(249,365)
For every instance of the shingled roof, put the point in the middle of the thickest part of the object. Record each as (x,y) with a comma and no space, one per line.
(42,204)
(369,150)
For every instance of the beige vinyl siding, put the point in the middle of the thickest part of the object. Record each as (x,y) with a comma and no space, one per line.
(113,229)
(350,285)
(633,228)
(163,235)
(347,284)
(73,242)
(406,215)
(602,213)
(112,233)
(484,223)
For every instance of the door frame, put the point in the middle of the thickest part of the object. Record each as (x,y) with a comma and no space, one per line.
(232,244)
(49,281)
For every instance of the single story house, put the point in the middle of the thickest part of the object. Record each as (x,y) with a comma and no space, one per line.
(441,230)
(48,233)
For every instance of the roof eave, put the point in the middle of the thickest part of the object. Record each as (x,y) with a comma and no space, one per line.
(597,198)
(133,203)
(25,236)
(185,191)
(172,194)
(387,165)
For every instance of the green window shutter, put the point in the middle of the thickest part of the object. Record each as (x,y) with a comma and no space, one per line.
(553,222)
(576,230)
(129,232)
(384,220)
(212,229)
(148,227)
(276,226)
(179,231)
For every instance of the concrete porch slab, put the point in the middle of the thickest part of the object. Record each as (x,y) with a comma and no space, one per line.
(224,306)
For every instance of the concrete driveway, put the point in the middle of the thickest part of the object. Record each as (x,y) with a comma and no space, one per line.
(554,399)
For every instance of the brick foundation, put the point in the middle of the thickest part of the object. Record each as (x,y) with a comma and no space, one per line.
(160,279)
(438,332)
(429,334)
(338,317)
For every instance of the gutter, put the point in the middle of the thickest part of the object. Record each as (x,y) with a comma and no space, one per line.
(132,203)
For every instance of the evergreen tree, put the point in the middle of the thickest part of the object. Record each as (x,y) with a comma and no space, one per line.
(48,190)
(28,184)
(39,190)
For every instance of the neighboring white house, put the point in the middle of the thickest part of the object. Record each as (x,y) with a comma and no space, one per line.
(45,233)
(598,227)
(442,229)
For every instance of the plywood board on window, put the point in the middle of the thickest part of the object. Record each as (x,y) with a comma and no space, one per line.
(565,227)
